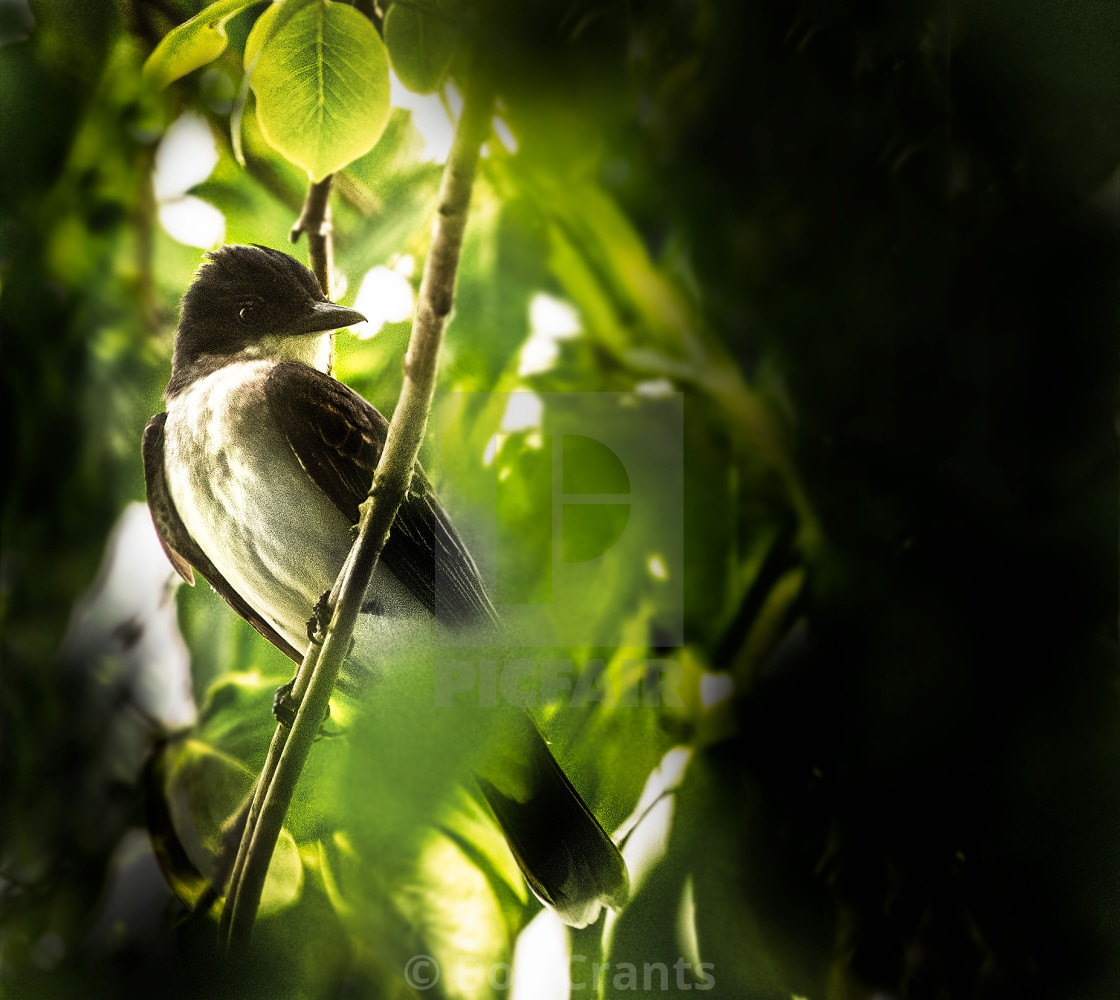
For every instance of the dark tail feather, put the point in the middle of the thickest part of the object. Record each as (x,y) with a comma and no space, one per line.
(567,858)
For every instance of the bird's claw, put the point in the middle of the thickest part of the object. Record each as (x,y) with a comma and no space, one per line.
(320,618)
(285,706)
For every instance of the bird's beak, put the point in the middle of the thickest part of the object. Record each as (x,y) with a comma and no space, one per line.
(323,316)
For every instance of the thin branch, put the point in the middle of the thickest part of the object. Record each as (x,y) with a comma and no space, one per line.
(315,220)
(319,671)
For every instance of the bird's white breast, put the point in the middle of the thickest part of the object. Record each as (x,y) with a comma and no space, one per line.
(248,503)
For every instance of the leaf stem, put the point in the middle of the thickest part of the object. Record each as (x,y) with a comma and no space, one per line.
(319,671)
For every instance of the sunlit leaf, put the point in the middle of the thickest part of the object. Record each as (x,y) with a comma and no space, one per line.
(268,24)
(322,85)
(193,43)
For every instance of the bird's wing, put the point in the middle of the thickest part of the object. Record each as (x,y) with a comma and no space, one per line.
(181,548)
(337,437)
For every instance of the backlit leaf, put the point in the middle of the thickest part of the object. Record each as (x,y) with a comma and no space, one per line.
(322,86)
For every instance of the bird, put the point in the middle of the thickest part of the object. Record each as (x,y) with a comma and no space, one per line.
(254,473)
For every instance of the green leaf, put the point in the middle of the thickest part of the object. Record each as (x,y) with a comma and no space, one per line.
(322,85)
(194,43)
(421,45)
(268,24)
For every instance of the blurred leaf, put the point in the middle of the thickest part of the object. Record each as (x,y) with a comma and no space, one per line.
(421,40)
(719,898)
(610,745)
(322,85)
(442,906)
(204,789)
(193,43)
(416,864)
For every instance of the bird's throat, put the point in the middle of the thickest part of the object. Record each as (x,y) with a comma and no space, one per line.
(316,350)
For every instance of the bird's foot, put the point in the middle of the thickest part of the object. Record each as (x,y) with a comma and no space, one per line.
(285,705)
(372,606)
(320,619)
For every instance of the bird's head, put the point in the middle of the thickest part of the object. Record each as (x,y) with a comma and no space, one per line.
(253,302)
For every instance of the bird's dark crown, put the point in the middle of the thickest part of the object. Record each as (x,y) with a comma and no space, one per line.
(239,296)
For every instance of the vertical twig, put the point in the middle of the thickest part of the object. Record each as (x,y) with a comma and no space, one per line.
(315,220)
(319,671)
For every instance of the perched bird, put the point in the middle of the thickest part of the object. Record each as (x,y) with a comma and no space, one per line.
(254,475)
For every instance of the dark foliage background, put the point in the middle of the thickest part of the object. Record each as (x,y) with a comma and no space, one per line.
(902,222)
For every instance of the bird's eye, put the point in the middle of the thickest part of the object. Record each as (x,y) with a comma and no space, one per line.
(247,314)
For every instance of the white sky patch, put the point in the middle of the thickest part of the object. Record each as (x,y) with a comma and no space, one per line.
(550,321)
(384,296)
(491,451)
(715,688)
(192,221)
(657,568)
(429,117)
(655,388)
(504,134)
(136,585)
(523,412)
(541,960)
(186,156)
